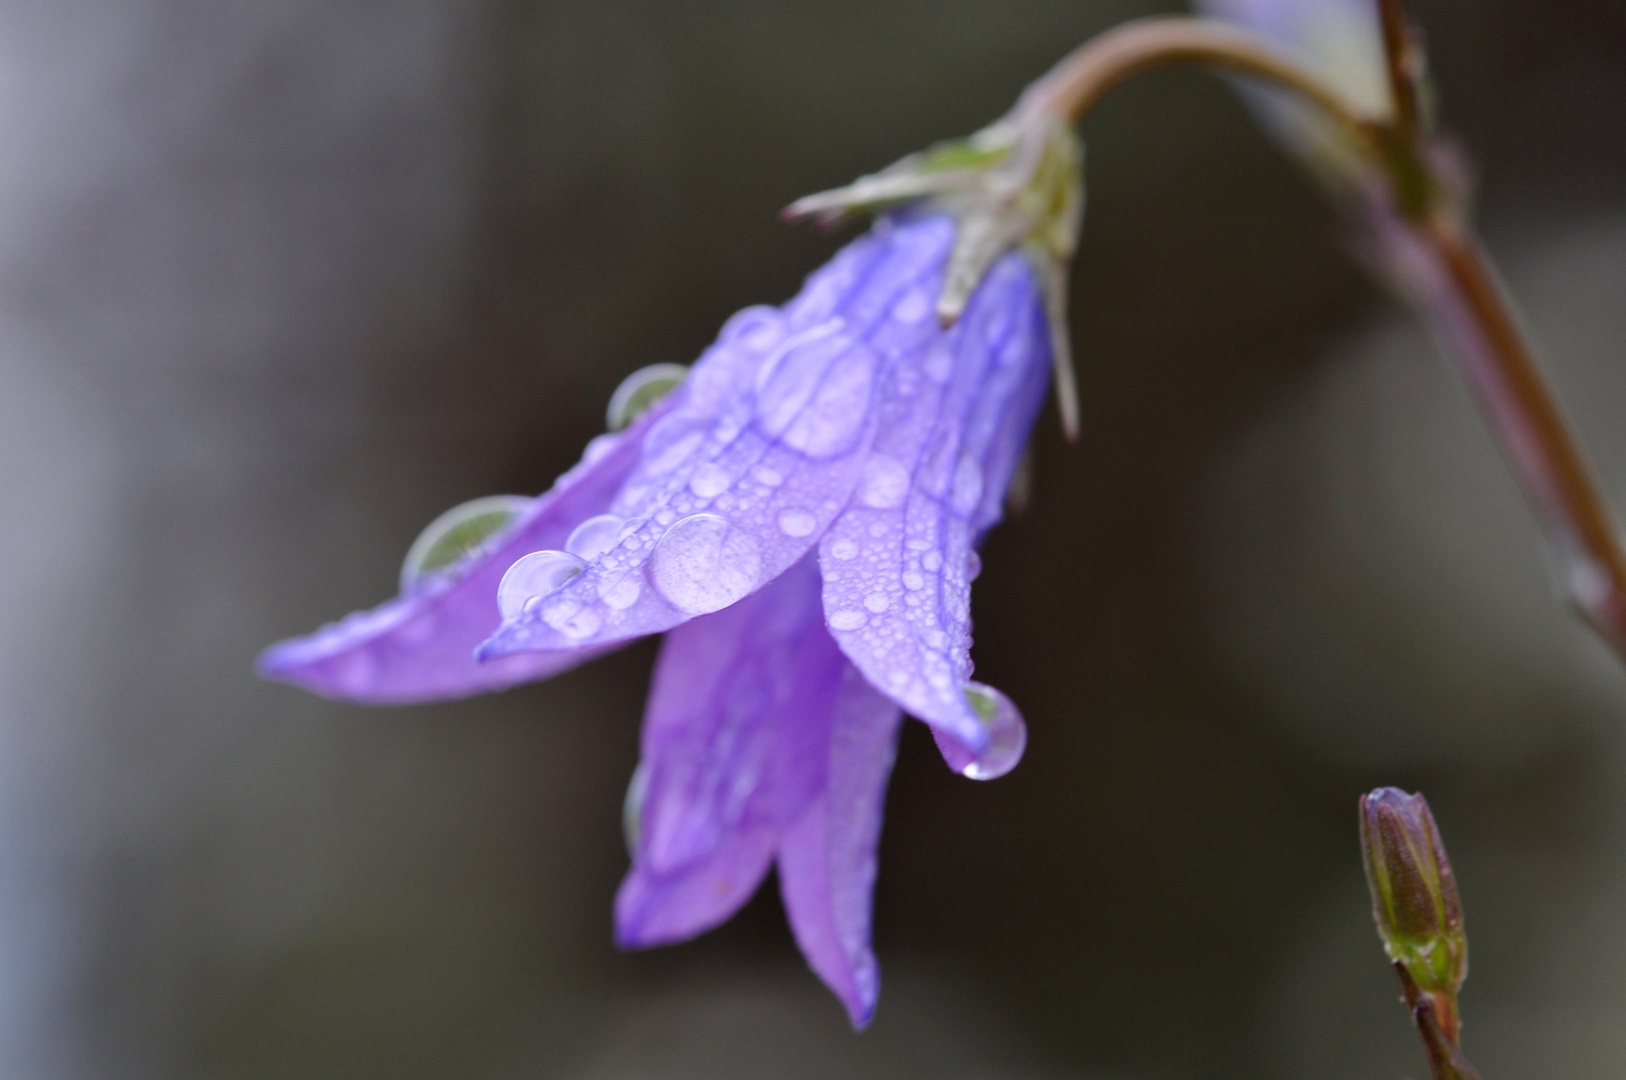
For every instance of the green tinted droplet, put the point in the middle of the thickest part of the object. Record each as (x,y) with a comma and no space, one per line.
(984,703)
(642,391)
(458,533)
(632,808)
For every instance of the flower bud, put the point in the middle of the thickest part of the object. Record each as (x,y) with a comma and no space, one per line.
(1414,894)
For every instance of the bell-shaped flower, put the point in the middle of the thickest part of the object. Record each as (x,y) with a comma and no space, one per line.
(801,512)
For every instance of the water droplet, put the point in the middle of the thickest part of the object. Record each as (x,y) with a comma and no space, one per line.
(595,536)
(535,575)
(459,533)
(584,624)
(967,485)
(912,308)
(766,476)
(932,561)
(709,480)
(877,602)
(756,329)
(885,483)
(670,442)
(847,619)
(704,563)
(632,808)
(913,580)
(598,446)
(1007,736)
(622,594)
(642,391)
(797,522)
(813,392)
(843,549)
(973,566)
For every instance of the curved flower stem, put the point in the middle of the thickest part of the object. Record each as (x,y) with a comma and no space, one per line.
(1429,250)
(1091,71)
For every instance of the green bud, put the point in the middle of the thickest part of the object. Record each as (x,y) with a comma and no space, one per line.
(1414,894)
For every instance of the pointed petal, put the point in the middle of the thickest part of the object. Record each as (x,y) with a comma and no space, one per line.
(723,503)
(420,645)
(897,563)
(719,782)
(827,856)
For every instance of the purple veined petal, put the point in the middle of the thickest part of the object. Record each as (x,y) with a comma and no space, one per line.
(420,646)
(896,563)
(827,856)
(722,505)
(717,778)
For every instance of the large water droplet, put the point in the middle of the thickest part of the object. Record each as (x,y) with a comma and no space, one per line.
(1007,736)
(595,536)
(813,392)
(709,480)
(460,532)
(642,391)
(537,574)
(670,442)
(704,563)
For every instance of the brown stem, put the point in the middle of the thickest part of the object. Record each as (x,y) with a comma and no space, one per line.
(1445,1057)
(1405,61)
(1459,292)
(1092,70)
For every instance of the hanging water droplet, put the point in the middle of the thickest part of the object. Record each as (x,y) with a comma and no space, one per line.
(459,533)
(595,536)
(632,808)
(973,566)
(536,575)
(704,563)
(642,391)
(1007,736)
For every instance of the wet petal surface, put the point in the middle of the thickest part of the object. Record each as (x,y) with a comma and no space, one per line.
(736,485)
(898,563)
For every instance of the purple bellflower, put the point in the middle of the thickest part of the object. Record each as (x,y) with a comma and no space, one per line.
(799,513)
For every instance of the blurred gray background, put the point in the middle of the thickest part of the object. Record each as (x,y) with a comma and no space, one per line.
(280,282)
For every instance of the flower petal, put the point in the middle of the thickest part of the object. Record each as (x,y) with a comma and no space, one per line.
(727,689)
(726,501)
(420,646)
(827,855)
(897,564)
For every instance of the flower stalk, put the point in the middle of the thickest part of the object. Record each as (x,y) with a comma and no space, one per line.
(1412,201)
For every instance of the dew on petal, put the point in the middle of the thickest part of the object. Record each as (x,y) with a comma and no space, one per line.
(847,619)
(642,391)
(767,477)
(583,624)
(670,442)
(885,482)
(621,595)
(967,490)
(709,480)
(796,522)
(595,536)
(939,363)
(843,549)
(912,308)
(913,579)
(878,602)
(459,533)
(1007,736)
(973,566)
(813,391)
(704,563)
(932,561)
(533,576)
